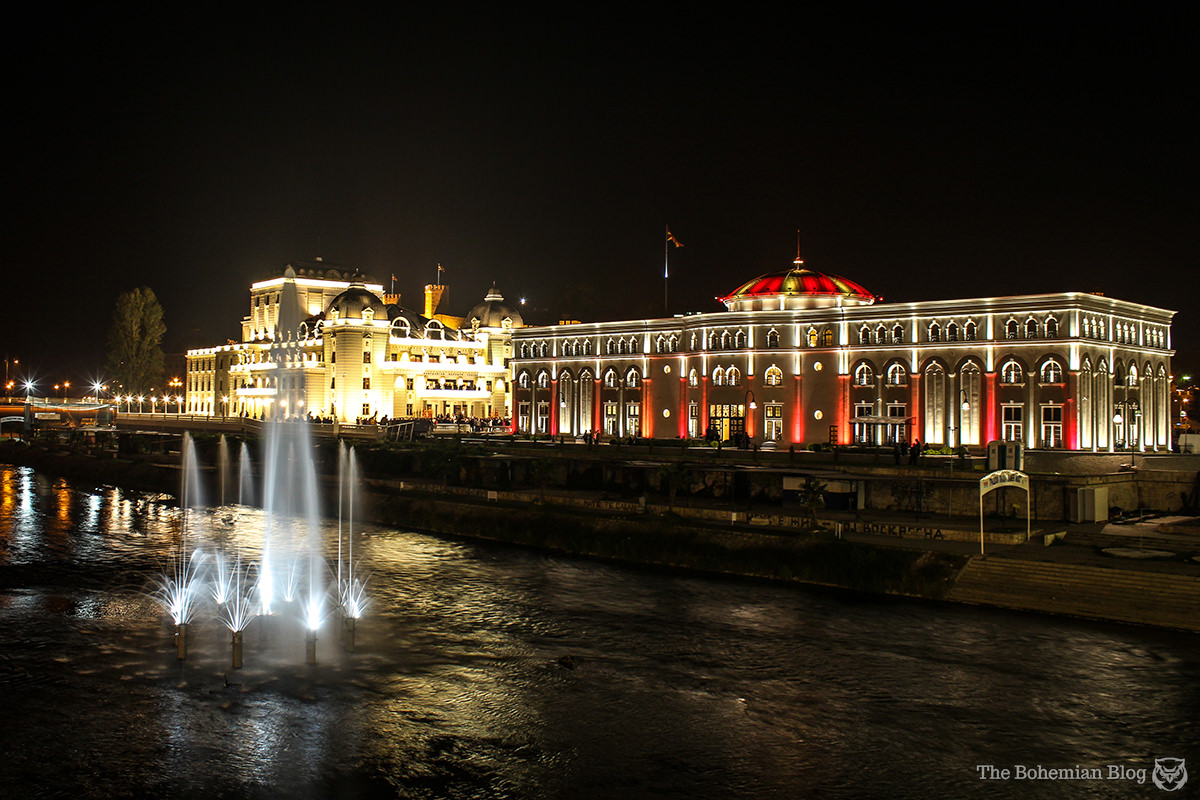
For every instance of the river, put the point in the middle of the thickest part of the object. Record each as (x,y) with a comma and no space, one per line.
(677,686)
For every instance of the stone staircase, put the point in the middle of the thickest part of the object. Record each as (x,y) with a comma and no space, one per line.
(1124,595)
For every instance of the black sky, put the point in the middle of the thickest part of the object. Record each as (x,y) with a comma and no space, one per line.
(926,158)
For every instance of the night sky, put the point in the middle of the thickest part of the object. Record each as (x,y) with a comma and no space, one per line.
(925,158)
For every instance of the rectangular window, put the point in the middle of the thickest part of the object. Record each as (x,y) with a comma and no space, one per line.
(366,356)
(1013,418)
(409,384)
(773,430)
(897,431)
(366,383)
(366,409)
(863,431)
(610,419)
(1052,426)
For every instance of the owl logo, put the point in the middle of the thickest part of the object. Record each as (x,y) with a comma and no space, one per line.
(1169,773)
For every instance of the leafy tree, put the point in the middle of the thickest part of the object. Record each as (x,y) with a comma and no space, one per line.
(135,356)
(812,497)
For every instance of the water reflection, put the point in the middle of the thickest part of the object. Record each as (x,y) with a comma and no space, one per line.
(681,687)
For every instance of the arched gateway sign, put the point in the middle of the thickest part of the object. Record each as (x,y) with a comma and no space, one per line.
(999,480)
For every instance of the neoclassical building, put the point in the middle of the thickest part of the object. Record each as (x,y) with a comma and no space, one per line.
(800,356)
(328,342)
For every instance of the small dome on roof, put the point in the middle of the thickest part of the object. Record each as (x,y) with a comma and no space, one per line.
(492,312)
(351,303)
(798,287)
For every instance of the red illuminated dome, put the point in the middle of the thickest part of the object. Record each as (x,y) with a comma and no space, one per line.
(798,287)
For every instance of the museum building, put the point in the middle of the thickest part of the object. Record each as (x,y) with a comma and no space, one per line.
(328,342)
(800,356)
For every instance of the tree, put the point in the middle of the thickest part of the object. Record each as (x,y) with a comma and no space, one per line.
(812,497)
(135,356)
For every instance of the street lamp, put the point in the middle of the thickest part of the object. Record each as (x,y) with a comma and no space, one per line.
(750,406)
(7,382)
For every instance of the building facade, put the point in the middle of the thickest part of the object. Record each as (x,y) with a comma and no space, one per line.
(800,356)
(325,342)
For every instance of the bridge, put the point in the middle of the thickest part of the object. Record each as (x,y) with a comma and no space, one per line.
(167,422)
(92,416)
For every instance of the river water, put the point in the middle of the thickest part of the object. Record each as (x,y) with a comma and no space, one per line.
(682,686)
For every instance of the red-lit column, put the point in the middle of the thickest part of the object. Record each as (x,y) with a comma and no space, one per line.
(1070,418)
(918,431)
(992,418)
(750,416)
(683,402)
(797,411)
(597,420)
(554,407)
(843,410)
(647,416)
(704,406)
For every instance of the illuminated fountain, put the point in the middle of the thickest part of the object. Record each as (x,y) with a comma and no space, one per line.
(285,573)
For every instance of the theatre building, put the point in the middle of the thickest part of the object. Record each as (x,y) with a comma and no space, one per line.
(328,342)
(801,356)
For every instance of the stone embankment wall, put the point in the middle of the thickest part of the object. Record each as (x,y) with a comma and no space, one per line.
(1124,595)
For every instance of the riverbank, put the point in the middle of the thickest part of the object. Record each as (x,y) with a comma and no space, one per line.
(932,558)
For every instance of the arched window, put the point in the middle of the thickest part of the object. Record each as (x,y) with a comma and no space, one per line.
(828,337)
(969,332)
(693,379)
(898,334)
(773,376)
(718,378)
(523,380)
(864,335)
(633,379)
(609,347)
(739,340)
(545,350)
(1087,328)
(524,350)
(1133,375)
(610,379)
(587,347)
(633,345)
(935,332)
(1052,372)
(660,344)
(714,341)
(864,375)
(1051,328)
(881,335)
(951,332)
(733,376)
(812,337)
(772,338)
(1011,372)
(543,380)
(694,340)
(1011,329)
(1031,329)
(897,375)
(673,344)
(621,347)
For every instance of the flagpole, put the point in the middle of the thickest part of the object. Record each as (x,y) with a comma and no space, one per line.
(666,270)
